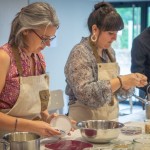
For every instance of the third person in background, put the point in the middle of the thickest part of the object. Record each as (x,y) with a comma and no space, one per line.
(140,57)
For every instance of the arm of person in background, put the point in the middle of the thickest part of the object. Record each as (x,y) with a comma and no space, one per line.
(138,58)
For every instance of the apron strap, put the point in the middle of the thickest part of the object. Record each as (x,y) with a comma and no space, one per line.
(17,59)
(94,48)
(110,56)
(98,58)
(44,71)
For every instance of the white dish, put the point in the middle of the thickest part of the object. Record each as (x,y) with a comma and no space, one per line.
(61,123)
(131,130)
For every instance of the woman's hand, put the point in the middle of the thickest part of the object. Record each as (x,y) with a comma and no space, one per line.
(73,122)
(50,117)
(133,80)
(44,129)
(142,78)
(47,117)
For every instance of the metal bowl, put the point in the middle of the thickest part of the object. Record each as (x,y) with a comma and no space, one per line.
(99,131)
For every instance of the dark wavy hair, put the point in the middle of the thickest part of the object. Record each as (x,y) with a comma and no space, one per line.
(105,17)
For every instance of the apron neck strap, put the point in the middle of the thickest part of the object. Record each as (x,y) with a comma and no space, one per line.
(110,56)
(43,68)
(17,59)
(98,58)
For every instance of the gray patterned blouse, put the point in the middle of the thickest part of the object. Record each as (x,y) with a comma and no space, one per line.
(81,73)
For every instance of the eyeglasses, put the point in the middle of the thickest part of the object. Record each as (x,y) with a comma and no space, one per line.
(44,40)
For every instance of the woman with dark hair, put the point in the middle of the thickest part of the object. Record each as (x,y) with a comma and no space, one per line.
(91,71)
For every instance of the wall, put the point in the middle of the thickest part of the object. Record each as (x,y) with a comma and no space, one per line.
(8,9)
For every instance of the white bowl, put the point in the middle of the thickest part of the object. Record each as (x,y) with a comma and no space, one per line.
(61,123)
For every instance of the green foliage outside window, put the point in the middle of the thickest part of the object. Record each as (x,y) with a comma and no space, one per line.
(127,15)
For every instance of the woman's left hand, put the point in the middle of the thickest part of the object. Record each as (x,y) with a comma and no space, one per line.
(50,117)
(73,122)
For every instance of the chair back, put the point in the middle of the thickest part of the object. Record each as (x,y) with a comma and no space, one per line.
(56,102)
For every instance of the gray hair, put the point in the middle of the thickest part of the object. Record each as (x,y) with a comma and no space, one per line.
(33,16)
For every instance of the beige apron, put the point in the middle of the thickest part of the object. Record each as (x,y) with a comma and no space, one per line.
(34,94)
(80,112)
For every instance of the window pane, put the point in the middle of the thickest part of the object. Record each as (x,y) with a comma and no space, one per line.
(148,16)
(131,17)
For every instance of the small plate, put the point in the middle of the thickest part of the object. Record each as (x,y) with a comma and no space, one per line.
(98,148)
(49,140)
(68,145)
(131,130)
(61,123)
(121,144)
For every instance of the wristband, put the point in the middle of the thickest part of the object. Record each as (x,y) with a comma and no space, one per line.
(16,122)
(120,81)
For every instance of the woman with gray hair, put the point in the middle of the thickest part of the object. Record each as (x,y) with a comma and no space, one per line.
(24,87)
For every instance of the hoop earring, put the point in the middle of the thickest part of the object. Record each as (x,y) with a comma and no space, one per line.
(93,38)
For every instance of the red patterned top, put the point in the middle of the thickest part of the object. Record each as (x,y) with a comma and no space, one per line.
(10,92)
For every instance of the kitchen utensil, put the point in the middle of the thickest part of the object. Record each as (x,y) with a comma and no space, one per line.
(21,141)
(99,131)
(147,105)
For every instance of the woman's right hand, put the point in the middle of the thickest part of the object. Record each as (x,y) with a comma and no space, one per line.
(44,129)
(133,80)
